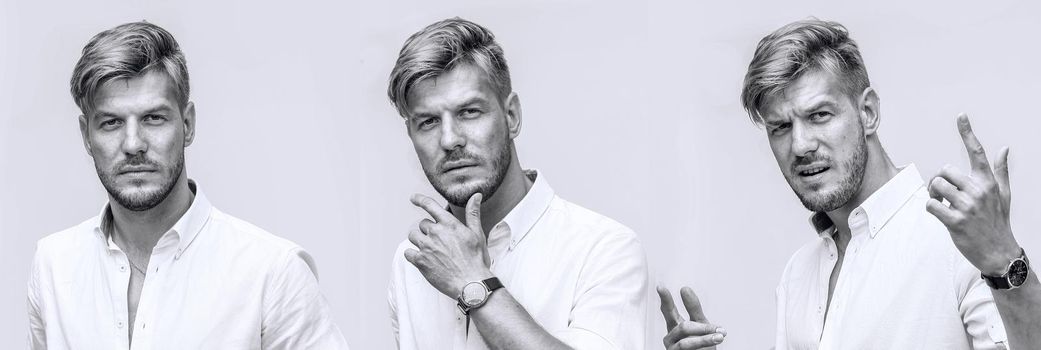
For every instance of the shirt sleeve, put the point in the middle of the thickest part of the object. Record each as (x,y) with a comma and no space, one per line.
(978,311)
(610,306)
(37,326)
(296,314)
(392,301)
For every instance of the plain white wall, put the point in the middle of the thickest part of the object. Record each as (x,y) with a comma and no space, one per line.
(631,109)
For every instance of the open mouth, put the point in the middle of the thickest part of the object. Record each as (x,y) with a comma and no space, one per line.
(812,171)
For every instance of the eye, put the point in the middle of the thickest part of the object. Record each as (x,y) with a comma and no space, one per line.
(428,123)
(780,128)
(820,116)
(110,124)
(469,112)
(154,119)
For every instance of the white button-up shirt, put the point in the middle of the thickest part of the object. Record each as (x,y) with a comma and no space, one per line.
(903,283)
(213,282)
(581,276)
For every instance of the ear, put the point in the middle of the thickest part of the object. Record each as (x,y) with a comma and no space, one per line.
(870,113)
(513,115)
(85,134)
(189,123)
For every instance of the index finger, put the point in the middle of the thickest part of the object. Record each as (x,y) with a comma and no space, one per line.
(977,156)
(668,309)
(431,207)
(693,305)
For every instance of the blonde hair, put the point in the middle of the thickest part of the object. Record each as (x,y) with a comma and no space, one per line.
(799,47)
(442,46)
(126,51)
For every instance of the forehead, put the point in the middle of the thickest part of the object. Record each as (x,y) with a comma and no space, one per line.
(149,91)
(463,84)
(809,91)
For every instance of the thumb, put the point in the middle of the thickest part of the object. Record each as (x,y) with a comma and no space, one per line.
(1001,174)
(473,213)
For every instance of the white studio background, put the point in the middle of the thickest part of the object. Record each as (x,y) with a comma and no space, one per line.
(630,109)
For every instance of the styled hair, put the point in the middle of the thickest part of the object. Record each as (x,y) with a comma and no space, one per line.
(127,51)
(797,48)
(439,48)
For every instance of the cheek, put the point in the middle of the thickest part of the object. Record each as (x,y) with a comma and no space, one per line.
(782,152)
(427,149)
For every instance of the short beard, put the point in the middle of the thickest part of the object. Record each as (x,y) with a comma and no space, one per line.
(147,200)
(848,187)
(487,188)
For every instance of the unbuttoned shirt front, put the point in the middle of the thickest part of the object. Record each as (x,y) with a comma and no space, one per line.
(903,283)
(213,282)
(580,275)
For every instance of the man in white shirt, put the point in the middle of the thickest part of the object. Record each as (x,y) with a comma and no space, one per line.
(892,266)
(508,264)
(160,268)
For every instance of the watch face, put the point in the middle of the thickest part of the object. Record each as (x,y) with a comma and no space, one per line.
(474,293)
(1017,273)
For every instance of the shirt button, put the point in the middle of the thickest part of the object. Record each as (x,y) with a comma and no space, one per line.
(122,268)
(119,324)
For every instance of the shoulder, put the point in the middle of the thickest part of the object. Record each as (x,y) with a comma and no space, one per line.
(237,235)
(68,242)
(579,220)
(245,233)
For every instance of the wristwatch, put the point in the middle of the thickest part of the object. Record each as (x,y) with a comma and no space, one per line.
(1015,275)
(475,294)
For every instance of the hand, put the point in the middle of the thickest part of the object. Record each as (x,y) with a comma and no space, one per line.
(978,215)
(697,333)
(450,254)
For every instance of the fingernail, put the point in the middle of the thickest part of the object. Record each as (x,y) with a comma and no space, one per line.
(722,331)
(717,338)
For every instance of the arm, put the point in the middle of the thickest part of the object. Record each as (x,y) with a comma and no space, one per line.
(979,224)
(296,314)
(452,254)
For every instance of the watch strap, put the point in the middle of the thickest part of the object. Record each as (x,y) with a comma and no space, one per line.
(492,284)
(1002,282)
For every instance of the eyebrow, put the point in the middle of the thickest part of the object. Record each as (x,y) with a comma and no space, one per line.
(161,108)
(474,100)
(818,105)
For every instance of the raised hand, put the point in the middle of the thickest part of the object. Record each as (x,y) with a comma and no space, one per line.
(697,333)
(450,254)
(978,214)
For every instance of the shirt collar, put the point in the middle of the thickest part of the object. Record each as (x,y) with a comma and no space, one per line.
(186,228)
(525,214)
(872,215)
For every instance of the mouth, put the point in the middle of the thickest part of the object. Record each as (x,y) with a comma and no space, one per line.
(811,170)
(458,166)
(136,171)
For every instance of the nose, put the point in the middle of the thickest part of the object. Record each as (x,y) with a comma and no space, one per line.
(133,141)
(804,140)
(451,136)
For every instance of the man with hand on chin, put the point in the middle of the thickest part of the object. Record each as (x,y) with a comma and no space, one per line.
(508,264)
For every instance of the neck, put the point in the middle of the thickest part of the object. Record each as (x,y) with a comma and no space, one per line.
(139,231)
(510,192)
(877,172)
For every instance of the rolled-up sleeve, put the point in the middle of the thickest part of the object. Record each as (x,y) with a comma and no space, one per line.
(296,314)
(37,325)
(978,311)
(610,306)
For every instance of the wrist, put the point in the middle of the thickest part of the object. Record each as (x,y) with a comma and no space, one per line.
(998,260)
(477,275)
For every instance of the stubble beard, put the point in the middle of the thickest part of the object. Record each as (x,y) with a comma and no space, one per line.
(147,200)
(848,186)
(461,195)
